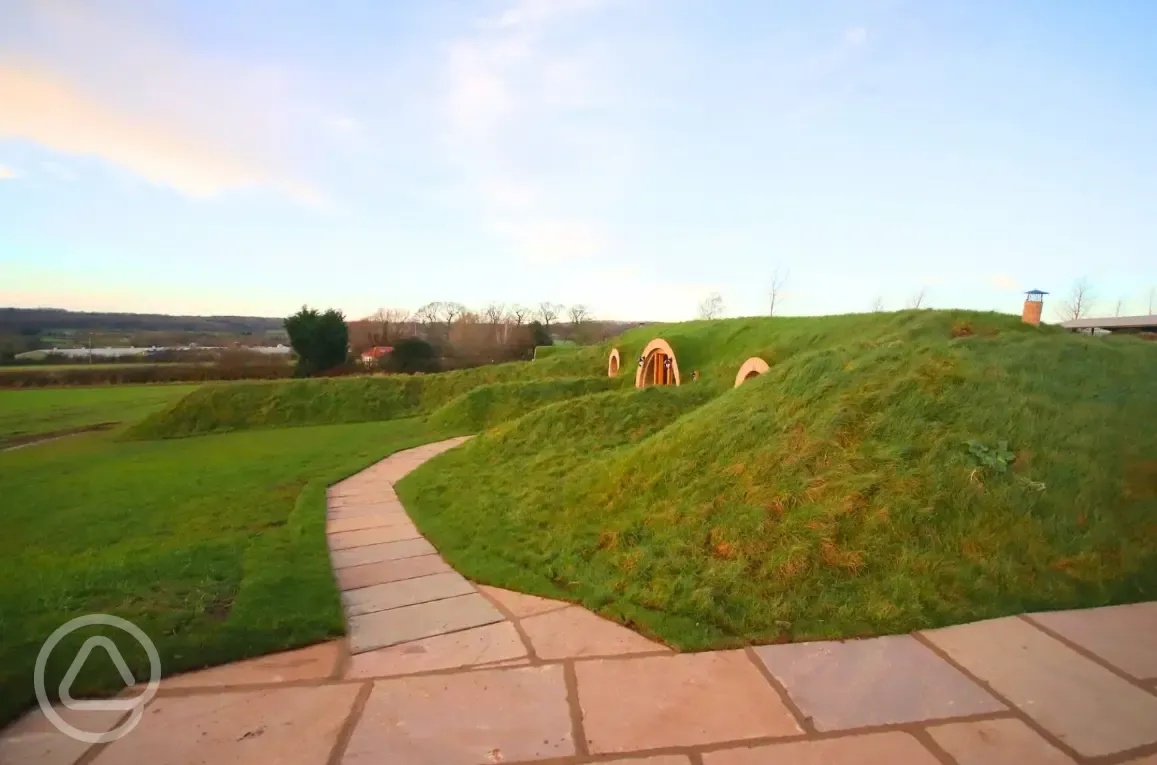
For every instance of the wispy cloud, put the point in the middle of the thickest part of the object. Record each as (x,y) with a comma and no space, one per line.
(514,89)
(54,113)
(1003,282)
(61,89)
(856,36)
(7,173)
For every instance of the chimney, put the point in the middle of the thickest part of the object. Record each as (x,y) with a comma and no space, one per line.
(1033,302)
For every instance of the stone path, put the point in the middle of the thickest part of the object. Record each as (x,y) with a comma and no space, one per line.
(438,671)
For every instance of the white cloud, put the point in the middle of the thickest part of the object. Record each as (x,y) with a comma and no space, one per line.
(856,36)
(7,173)
(1003,282)
(54,113)
(514,87)
(196,124)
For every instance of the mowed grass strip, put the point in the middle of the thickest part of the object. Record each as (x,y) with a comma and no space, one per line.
(214,546)
(26,412)
(835,496)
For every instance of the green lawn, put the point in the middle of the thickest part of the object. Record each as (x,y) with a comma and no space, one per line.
(214,546)
(27,412)
(835,496)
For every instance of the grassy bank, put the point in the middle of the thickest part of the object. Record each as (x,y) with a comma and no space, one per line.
(860,487)
(291,403)
(30,412)
(214,546)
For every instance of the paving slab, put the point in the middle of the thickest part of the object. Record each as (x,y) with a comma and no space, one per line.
(650,702)
(288,726)
(1081,703)
(311,663)
(379,509)
(407,592)
(389,571)
(494,643)
(386,628)
(997,742)
(893,748)
(345,540)
(572,632)
(359,522)
(520,604)
(662,759)
(34,740)
(1123,636)
(877,681)
(360,556)
(459,720)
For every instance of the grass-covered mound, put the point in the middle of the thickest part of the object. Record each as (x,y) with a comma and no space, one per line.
(859,487)
(335,400)
(488,405)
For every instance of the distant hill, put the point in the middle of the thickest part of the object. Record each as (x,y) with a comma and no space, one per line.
(49,320)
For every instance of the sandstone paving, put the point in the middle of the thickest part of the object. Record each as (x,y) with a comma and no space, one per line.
(33,740)
(1084,705)
(363,537)
(996,742)
(573,632)
(381,572)
(407,592)
(399,625)
(471,718)
(312,663)
(649,702)
(494,644)
(519,604)
(288,726)
(892,748)
(357,523)
(360,556)
(1122,636)
(877,681)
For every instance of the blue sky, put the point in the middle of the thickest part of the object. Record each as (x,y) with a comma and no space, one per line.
(249,156)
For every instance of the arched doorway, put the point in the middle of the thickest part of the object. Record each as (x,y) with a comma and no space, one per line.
(753,367)
(613,363)
(657,365)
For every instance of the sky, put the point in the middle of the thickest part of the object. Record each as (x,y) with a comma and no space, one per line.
(634,156)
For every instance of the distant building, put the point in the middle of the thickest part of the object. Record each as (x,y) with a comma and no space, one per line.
(371,357)
(1113,324)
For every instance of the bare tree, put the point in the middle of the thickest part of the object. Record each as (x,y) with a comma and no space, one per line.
(451,311)
(1152,299)
(428,314)
(712,307)
(519,314)
(1080,301)
(878,304)
(776,293)
(578,313)
(548,312)
(917,298)
(1117,308)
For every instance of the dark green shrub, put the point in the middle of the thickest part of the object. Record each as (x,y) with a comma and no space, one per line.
(412,355)
(321,340)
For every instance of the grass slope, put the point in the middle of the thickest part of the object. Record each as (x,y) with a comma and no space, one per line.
(834,496)
(30,412)
(489,405)
(248,405)
(214,546)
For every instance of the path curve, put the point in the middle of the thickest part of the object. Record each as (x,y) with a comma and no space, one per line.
(440,671)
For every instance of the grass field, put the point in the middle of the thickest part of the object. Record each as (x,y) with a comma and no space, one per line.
(105,365)
(857,488)
(214,546)
(34,411)
(890,472)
